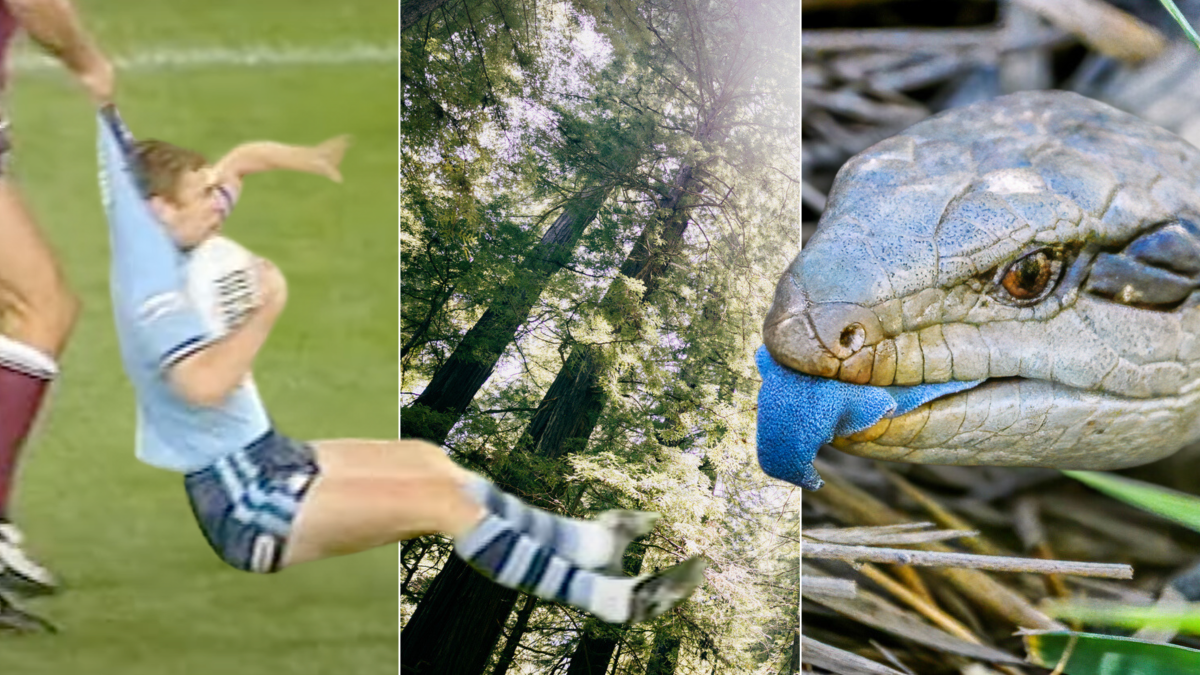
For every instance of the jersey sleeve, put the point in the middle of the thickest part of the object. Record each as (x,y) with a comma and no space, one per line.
(148,270)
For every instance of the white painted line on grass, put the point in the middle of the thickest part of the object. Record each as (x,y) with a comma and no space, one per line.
(241,57)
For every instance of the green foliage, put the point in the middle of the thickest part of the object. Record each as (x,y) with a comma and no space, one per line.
(1184,618)
(1100,654)
(1090,654)
(445,261)
(1170,504)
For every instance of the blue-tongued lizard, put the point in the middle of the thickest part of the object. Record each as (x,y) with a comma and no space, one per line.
(1042,246)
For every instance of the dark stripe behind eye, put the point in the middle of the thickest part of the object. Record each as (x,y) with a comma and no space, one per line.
(1171,247)
(1123,279)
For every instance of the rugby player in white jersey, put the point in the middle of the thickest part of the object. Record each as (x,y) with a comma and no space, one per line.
(264,501)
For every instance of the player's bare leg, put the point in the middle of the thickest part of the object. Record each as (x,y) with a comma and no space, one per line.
(592,544)
(37,312)
(371,494)
(360,501)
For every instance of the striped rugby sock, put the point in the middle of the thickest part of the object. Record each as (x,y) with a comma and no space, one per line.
(513,559)
(586,543)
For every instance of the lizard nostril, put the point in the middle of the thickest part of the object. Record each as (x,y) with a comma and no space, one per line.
(853,337)
(844,330)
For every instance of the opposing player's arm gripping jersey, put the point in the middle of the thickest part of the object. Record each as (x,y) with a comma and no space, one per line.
(148,274)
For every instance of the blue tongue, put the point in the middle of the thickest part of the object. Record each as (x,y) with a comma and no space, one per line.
(799,413)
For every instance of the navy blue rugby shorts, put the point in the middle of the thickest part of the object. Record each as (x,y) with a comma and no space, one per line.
(246,501)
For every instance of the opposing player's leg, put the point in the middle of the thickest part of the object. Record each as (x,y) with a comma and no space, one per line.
(349,509)
(37,312)
(37,308)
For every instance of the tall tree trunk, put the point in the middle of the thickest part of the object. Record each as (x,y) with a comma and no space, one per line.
(514,638)
(571,407)
(593,653)
(792,666)
(665,654)
(445,399)
(457,623)
(600,640)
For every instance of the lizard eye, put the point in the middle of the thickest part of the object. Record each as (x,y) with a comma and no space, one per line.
(1029,278)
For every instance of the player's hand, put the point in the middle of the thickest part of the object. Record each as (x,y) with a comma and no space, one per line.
(329,157)
(99,80)
(272,288)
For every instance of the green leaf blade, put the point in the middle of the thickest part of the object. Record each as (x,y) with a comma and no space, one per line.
(1094,654)
(1170,504)
(1182,21)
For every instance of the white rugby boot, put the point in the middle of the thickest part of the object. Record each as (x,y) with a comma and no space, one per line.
(19,573)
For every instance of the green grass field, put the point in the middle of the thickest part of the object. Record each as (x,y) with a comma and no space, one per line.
(144,593)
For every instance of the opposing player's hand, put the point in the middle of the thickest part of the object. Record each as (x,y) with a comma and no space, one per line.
(99,80)
(272,287)
(329,157)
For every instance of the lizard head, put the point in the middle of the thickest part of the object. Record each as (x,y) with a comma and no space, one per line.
(1043,242)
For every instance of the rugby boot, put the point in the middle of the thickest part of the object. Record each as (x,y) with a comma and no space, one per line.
(657,593)
(19,573)
(14,619)
(624,526)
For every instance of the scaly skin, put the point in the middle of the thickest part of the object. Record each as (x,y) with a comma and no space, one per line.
(899,285)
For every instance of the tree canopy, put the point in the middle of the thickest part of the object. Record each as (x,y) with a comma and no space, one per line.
(597,201)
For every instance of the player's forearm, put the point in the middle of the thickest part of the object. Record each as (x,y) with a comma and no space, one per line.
(55,26)
(260,156)
(207,377)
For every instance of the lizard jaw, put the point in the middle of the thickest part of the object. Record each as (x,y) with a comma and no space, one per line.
(998,422)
